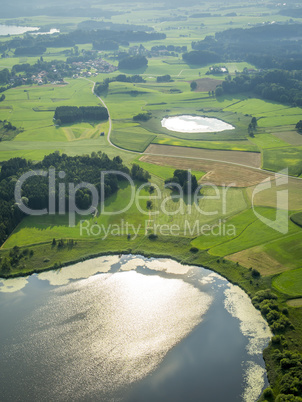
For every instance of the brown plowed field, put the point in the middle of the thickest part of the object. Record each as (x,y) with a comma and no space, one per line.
(251,159)
(218,173)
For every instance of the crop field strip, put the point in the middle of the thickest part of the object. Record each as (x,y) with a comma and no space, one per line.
(246,159)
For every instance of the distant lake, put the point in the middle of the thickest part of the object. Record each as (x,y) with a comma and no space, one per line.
(18,30)
(15,30)
(130,329)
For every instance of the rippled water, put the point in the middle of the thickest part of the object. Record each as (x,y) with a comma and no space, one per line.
(195,124)
(132,329)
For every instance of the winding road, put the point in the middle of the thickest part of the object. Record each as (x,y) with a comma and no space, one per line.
(175,156)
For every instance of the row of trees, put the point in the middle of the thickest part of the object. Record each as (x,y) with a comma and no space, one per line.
(252,126)
(169,48)
(102,87)
(73,114)
(131,78)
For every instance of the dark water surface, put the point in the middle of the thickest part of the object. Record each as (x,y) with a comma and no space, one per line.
(130,329)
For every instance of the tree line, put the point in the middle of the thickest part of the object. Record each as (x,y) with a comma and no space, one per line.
(133,62)
(31,42)
(35,190)
(285,366)
(169,48)
(113,26)
(267,46)
(278,85)
(74,114)
(101,87)
(30,51)
(201,57)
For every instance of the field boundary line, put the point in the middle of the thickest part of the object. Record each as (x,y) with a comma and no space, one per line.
(171,156)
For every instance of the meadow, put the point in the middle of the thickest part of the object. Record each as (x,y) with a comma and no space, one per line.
(169,208)
(32,107)
(290,283)
(164,172)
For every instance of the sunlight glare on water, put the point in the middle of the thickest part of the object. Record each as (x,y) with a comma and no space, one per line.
(113,328)
(195,124)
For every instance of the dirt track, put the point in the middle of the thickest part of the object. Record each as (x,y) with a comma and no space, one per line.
(248,159)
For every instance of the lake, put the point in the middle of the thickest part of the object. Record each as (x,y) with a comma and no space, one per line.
(130,329)
(19,30)
(195,124)
(15,29)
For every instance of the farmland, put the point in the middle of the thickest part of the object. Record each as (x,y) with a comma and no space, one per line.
(31,108)
(290,282)
(230,157)
(233,226)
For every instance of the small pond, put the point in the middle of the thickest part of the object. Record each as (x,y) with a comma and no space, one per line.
(195,124)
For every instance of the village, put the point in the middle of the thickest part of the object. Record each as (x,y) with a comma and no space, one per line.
(92,68)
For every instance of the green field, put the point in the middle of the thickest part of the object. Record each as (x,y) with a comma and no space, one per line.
(297,219)
(250,232)
(287,251)
(132,138)
(32,108)
(164,172)
(277,159)
(168,209)
(290,283)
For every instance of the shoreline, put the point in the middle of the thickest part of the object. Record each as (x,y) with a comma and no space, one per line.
(231,271)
